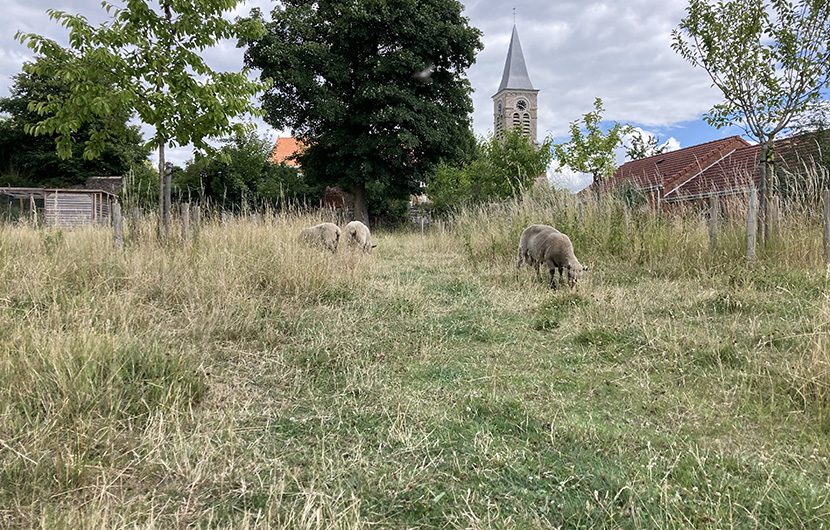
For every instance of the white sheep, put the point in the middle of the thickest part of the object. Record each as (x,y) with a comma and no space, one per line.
(357,235)
(326,235)
(544,244)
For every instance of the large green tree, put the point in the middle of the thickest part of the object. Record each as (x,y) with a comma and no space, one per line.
(34,161)
(147,59)
(592,150)
(375,88)
(769,58)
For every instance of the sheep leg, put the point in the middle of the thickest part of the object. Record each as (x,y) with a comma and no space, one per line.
(519,261)
(553,278)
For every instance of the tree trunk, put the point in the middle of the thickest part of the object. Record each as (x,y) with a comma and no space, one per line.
(598,190)
(361,212)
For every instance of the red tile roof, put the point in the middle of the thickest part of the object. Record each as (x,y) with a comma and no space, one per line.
(674,168)
(722,166)
(285,150)
(730,173)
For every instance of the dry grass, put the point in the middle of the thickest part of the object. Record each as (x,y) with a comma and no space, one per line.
(247,381)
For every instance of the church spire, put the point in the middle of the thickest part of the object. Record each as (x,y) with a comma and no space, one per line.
(515,103)
(515,70)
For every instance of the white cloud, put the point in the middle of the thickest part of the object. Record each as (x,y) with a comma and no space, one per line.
(565,177)
(575,51)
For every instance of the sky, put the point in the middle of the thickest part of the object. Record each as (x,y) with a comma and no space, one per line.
(575,51)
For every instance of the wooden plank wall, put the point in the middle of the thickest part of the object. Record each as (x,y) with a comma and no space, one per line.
(68,210)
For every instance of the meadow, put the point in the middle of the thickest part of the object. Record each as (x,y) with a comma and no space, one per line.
(247,381)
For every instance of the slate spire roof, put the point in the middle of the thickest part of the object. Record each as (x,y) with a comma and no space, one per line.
(515,69)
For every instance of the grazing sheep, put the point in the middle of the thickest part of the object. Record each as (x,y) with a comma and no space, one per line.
(357,234)
(545,244)
(326,235)
(527,242)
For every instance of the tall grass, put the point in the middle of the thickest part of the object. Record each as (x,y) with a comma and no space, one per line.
(243,380)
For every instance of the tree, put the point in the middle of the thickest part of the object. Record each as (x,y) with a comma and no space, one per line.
(504,167)
(33,161)
(644,146)
(768,67)
(145,60)
(240,172)
(592,152)
(375,89)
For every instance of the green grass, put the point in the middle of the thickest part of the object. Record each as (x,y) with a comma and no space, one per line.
(250,382)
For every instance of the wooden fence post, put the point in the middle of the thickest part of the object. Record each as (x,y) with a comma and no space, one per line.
(117,225)
(185,222)
(826,211)
(714,220)
(751,225)
(195,213)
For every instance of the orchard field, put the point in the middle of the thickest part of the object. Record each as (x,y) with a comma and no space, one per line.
(247,381)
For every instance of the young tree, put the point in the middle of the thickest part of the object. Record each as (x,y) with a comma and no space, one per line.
(769,58)
(643,146)
(33,161)
(146,60)
(592,151)
(376,89)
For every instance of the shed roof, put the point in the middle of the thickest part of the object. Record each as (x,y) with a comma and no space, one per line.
(40,193)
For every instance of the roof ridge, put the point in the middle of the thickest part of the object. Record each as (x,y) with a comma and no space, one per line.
(721,152)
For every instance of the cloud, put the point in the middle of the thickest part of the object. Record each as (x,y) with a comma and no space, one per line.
(575,51)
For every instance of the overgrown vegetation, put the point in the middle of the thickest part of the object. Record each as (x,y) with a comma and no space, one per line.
(249,382)
(503,166)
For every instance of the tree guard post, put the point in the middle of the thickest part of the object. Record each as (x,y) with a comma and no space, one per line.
(185,215)
(117,225)
(826,239)
(714,219)
(751,225)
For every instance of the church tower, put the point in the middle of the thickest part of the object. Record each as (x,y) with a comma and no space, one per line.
(514,104)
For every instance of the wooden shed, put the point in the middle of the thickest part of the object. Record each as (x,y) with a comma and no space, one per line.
(64,208)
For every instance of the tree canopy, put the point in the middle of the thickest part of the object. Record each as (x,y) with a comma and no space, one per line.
(241,173)
(503,167)
(769,58)
(592,151)
(34,161)
(146,60)
(644,145)
(376,89)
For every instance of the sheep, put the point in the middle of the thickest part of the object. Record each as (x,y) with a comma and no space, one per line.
(326,235)
(526,242)
(357,234)
(545,244)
